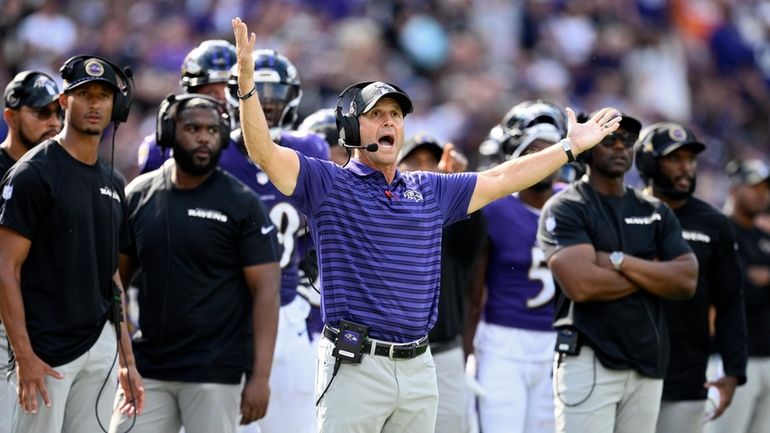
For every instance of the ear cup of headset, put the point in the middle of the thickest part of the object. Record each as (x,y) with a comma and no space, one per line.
(165,125)
(645,162)
(347,124)
(347,128)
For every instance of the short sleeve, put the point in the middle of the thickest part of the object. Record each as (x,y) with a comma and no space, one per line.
(25,196)
(453,192)
(258,243)
(562,224)
(315,180)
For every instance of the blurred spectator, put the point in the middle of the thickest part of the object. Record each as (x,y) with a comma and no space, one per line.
(704,63)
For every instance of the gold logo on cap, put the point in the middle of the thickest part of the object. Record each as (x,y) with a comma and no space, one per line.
(94,68)
(677,133)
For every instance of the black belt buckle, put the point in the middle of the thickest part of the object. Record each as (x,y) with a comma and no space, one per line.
(393,348)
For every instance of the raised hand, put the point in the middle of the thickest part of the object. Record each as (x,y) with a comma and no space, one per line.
(244,47)
(583,136)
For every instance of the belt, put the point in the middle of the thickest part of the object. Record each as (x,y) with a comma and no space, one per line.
(391,350)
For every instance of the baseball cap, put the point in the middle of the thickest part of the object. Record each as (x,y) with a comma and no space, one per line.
(748,172)
(84,69)
(30,88)
(666,137)
(367,98)
(418,141)
(627,123)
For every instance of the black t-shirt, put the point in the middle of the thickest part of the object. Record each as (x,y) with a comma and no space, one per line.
(6,161)
(73,214)
(754,250)
(194,303)
(719,283)
(460,247)
(630,332)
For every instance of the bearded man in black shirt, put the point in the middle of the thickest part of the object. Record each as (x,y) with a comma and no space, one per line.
(614,255)
(208,306)
(666,159)
(61,221)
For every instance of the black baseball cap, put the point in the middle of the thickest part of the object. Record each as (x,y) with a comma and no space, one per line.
(627,123)
(748,172)
(418,141)
(666,137)
(31,89)
(86,69)
(366,99)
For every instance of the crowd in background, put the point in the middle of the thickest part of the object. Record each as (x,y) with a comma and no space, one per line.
(704,63)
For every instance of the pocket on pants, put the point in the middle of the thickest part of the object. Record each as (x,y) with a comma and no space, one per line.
(324,366)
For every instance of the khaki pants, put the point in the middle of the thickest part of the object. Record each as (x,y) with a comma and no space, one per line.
(590,398)
(73,399)
(169,405)
(749,411)
(681,416)
(379,395)
(453,394)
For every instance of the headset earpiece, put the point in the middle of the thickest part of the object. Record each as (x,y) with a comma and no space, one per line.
(645,162)
(165,129)
(347,124)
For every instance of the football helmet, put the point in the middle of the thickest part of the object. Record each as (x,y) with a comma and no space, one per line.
(209,62)
(278,87)
(322,122)
(526,122)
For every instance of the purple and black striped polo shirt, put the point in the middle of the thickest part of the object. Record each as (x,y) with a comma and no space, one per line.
(379,245)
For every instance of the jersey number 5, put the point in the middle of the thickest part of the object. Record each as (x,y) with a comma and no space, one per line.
(538,271)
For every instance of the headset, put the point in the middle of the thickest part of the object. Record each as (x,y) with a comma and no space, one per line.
(121,105)
(347,124)
(166,124)
(644,158)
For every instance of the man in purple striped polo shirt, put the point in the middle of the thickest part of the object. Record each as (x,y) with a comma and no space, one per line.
(378,236)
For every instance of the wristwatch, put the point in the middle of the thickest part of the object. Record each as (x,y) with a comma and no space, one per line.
(616,258)
(568,150)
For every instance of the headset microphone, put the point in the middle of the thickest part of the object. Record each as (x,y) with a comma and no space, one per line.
(371,147)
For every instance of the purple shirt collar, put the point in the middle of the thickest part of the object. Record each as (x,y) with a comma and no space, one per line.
(362,170)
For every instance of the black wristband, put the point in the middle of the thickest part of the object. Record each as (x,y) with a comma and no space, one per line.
(248,95)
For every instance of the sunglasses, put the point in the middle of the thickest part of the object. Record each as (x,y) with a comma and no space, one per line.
(627,138)
(45,113)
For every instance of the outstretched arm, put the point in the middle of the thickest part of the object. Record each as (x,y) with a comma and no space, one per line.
(281,164)
(521,173)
